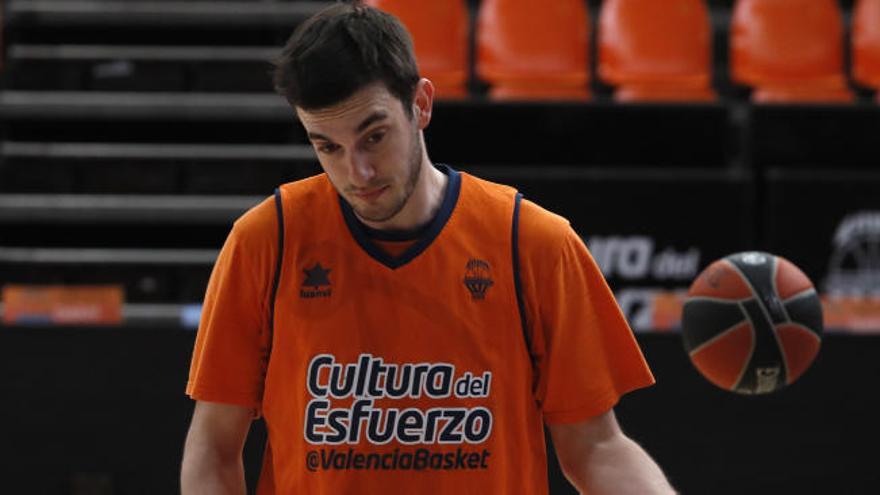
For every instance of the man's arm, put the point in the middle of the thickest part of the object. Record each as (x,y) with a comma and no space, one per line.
(212,462)
(598,459)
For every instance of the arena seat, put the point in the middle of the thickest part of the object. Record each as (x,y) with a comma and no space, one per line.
(789,51)
(866,44)
(531,49)
(440,35)
(656,51)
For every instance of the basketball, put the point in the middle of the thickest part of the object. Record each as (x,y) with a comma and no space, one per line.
(752,323)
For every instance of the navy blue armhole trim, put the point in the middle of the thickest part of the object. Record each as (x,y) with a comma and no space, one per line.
(517,281)
(277,278)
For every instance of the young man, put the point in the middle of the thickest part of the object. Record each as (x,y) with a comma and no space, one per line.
(404,328)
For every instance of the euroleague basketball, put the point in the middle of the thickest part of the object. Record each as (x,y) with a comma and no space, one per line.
(752,323)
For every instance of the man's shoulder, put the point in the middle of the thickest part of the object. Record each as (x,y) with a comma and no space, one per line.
(315,183)
(541,229)
(262,219)
(487,187)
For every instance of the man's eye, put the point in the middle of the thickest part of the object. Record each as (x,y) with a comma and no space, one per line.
(327,148)
(375,138)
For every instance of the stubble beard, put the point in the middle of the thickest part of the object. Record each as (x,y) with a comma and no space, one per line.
(415,169)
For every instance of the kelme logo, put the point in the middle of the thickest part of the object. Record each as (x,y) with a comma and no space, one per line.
(316,283)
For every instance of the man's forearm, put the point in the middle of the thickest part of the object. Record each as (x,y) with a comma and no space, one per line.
(619,466)
(212,462)
(201,475)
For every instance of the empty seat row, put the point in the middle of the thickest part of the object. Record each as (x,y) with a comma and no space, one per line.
(787,50)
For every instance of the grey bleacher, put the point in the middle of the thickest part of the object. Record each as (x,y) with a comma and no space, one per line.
(140,68)
(106,208)
(111,13)
(151,168)
(162,278)
(146,151)
(93,105)
(101,257)
(88,192)
(62,53)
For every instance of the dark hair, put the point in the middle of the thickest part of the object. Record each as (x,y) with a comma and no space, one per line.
(340,50)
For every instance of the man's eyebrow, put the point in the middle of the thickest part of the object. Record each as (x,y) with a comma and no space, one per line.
(373,117)
(367,122)
(314,136)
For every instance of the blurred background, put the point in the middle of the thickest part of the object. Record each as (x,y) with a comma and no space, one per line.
(670,132)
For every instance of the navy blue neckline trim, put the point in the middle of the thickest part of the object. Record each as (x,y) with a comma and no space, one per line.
(395,236)
(362,237)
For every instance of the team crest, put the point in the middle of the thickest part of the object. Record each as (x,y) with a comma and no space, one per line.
(316,283)
(478,278)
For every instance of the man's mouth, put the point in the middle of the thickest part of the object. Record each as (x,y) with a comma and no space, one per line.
(370,194)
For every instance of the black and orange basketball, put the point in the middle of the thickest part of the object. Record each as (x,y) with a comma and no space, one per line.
(752,323)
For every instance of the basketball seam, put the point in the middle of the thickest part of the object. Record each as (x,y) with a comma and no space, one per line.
(782,349)
(715,299)
(806,329)
(773,276)
(779,345)
(718,336)
(745,365)
(764,311)
(802,294)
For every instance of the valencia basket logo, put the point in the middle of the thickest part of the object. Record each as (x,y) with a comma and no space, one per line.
(478,278)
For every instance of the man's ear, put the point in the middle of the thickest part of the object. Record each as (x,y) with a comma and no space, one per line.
(423,102)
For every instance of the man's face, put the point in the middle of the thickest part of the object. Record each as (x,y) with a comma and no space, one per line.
(370,149)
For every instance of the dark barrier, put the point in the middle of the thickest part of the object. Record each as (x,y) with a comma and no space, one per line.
(827,136)
(650,230)
(484,132)
(106,407)
(817,436)
(828,223)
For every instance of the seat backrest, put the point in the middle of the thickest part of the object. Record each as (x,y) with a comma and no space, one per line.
(533,40)
(779,41)
(644,41)
(439,29)
(866,43)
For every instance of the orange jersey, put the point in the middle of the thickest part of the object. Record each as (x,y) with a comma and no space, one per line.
(428,372)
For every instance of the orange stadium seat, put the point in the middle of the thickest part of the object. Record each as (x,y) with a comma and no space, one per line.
(789,51)
(440,33)
(656,51)
(534,49)
(866,44)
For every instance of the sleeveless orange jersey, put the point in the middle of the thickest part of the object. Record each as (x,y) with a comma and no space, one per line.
(429,372)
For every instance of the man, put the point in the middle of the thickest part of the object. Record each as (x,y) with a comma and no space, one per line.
(403,327)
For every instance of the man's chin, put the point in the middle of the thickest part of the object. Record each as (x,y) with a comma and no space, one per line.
(375,214)
(372,214)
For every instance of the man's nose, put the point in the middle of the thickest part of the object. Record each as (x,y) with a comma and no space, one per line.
(360,170)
